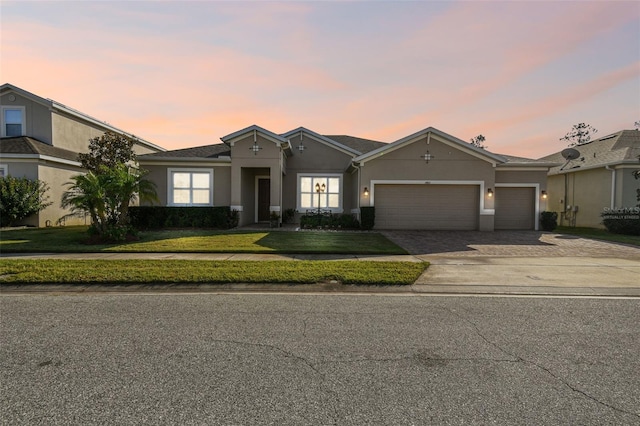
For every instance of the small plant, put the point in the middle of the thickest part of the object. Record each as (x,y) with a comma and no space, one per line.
(624,221)
(367,217)
(549,221)
(288,215)
(274,219)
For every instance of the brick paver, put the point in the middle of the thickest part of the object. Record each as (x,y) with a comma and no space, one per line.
(507,243)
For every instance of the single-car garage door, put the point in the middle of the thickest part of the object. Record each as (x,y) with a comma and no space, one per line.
(515,208)
(432,207)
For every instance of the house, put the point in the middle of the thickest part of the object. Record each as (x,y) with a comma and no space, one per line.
(41,138)
(427,180)
(599,177)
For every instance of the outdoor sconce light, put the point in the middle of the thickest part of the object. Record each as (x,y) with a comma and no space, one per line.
(366,191)
(544,195)
(490,192)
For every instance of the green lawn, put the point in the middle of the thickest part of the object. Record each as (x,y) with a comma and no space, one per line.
(73,240)
(109,272)
(599,234)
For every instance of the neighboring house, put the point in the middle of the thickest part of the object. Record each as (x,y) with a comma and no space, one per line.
(599,178)
(41,138)
(427,180)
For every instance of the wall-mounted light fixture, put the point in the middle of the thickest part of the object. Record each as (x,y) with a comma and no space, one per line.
(366,191)
(490,192)
(544,195)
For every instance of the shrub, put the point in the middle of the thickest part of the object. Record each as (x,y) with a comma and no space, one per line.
(549,221)
(21,198)
(367,217)
(332,221)
(622,221)
(156,217)
(288,215)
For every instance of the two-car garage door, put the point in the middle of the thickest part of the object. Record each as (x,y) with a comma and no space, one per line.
(450,207)
(436,207)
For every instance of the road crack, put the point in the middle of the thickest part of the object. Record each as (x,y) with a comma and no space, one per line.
(518,358)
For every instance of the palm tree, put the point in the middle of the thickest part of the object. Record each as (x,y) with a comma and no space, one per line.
(106,195)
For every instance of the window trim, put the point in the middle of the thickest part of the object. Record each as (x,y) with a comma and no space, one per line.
(338,209)
(22,109)
(170,188)
(5,168)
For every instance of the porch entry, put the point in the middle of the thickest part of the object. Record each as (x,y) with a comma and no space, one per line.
(264,199)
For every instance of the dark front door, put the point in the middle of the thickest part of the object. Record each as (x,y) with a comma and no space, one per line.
(264,199)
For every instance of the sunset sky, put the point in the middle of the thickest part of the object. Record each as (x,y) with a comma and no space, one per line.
(183,74)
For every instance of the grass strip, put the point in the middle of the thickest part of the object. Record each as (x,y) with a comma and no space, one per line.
(599,234)
(56,271)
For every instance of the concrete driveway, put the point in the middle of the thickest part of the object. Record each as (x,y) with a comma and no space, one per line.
(521,262)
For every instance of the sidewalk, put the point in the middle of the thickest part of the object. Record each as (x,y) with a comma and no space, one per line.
(583,276)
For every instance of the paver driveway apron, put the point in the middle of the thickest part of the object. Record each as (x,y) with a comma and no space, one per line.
(521,262)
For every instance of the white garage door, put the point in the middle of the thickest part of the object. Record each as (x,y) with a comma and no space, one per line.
(432,207)
(515,208)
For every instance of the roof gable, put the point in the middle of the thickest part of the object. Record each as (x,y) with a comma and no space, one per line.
(427,134)
(322,139)
(254,129)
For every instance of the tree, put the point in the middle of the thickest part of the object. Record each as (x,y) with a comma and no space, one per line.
(105,195)
(108,150)
(580,134)
(478,142)
(21,198)
(637,125)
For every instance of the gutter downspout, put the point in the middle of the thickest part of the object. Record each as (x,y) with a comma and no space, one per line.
(613,185)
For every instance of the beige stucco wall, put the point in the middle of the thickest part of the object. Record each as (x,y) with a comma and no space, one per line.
(246,165)
(71,134)
(626,187)
(38,116)
(447,164)
(589,190)
(317,158)
(221,180)
(56,176)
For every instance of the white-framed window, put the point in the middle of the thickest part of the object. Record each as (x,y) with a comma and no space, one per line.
(4,170)
(328,199)
(190,187)
(13,121)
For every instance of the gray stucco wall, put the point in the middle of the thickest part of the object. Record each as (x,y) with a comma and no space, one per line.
(38,116)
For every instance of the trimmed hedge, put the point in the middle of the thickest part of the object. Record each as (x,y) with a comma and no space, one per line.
(158,217)
(333,221)
(367,217)
(549,221)
(622,221)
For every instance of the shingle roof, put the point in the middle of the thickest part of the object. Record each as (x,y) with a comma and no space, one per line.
(29,146)
(359,144)
(620,147)
(207,151)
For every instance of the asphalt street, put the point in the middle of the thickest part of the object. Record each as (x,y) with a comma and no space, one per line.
(318,359)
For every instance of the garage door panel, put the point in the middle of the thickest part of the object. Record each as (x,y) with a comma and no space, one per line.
(437,207)
(515,208)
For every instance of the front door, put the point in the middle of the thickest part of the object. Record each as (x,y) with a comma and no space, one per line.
(264,199)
